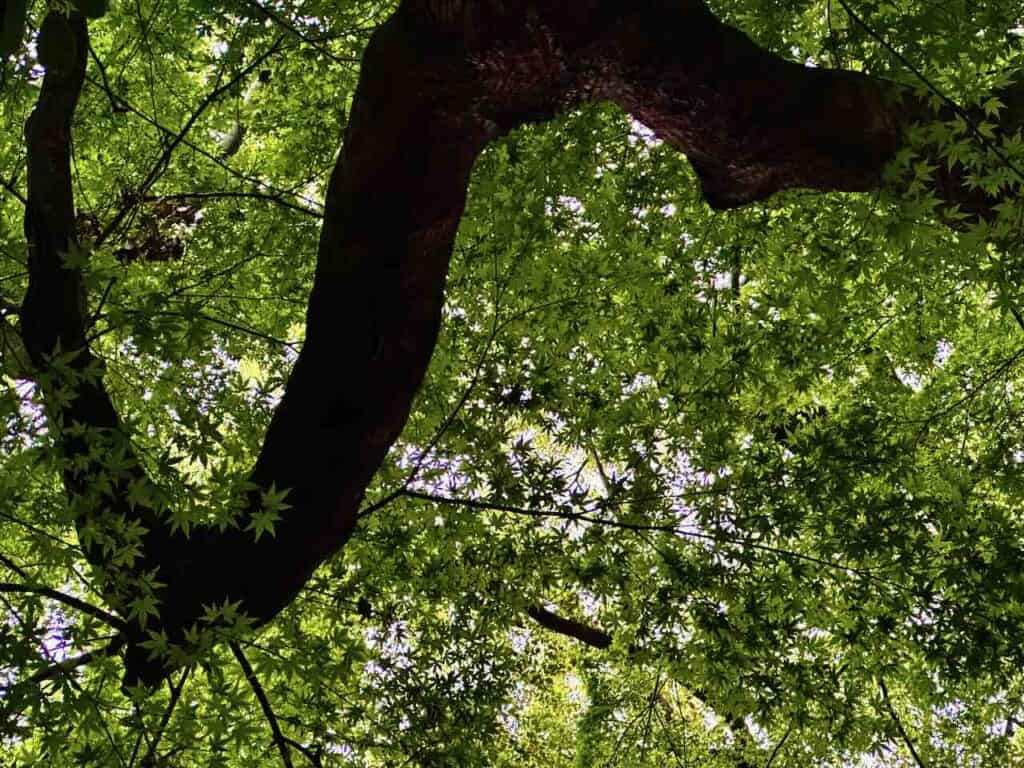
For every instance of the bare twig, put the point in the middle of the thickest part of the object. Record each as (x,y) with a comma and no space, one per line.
(68,600)
(161,163)
(899,724)
(227,194)
(778,746)
(148,760)
(261,696)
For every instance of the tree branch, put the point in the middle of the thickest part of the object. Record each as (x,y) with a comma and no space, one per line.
(597,638)
(899,724)
(68,600)
(9,186)
(117,106)
(10,564)
(261,696)
(952,105)
(63,667)
(161,163)
(587,635)
(169,134)
(317,45)
(228,195)
(579,517)
(469,71)
(149,759)
(100,466)
(778,746)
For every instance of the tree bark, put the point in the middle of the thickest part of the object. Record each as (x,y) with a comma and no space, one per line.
(440,79)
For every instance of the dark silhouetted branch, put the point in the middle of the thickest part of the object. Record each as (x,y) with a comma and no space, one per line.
(68,600)
(268,711)
(899,725)
(588,635)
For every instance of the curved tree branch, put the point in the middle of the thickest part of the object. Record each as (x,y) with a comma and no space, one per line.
(99,465)
(440,79)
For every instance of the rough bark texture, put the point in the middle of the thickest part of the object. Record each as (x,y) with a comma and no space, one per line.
(439,81)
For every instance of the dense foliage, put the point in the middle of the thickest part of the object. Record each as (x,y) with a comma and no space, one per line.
(773,454)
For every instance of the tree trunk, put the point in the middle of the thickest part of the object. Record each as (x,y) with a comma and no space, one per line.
(440,79)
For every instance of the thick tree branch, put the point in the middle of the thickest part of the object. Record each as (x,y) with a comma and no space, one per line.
(440,79)
(577,630)
(393,204)
(470,72)
(100,467)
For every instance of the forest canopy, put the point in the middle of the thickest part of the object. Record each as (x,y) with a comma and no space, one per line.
(464,383)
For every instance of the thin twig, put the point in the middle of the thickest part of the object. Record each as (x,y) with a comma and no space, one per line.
(164,159)
(117,105)
(210,156)
(210,319)
(985,141)
(778,746)
(316,44)
(68,600)
(261,696)
(273,198)
(309,754)
(63,667)
(166,718)
(99,307)
(580,517)
(4,560)
(9,186)
(899,724)
(444,426)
